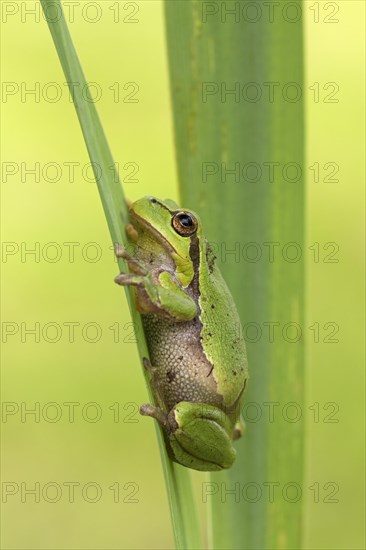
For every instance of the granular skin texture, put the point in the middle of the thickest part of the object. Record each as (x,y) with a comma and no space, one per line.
(181,371)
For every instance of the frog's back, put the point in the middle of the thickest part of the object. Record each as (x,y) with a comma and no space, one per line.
(222,335)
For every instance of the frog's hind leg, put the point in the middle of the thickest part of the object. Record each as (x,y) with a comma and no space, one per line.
(154,412)
(202,438)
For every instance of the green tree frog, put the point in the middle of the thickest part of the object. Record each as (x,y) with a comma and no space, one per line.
(198,363)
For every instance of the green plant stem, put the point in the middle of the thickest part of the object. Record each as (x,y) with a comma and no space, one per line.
(185,526)
(238,128)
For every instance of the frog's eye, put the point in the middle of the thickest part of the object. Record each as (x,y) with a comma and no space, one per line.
(184,223)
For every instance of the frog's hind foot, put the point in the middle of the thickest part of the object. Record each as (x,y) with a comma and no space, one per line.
(154,412)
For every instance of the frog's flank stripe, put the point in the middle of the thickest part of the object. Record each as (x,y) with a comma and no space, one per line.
(194,253)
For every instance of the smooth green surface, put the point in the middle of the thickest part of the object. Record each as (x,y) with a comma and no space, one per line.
(207,54)
(182,507)
(107,178)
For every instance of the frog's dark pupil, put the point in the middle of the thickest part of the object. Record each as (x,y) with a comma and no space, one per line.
(186,220)
(184,223)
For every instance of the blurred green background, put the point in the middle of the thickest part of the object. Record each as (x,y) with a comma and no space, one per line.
(82,351)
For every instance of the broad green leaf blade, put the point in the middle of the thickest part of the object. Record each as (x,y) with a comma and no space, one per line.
(108,181)
(185,525)
(237,86)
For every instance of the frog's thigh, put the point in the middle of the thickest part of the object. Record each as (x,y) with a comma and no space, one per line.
(202,436)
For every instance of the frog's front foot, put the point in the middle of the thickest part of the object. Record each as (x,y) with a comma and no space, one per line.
(133,264)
